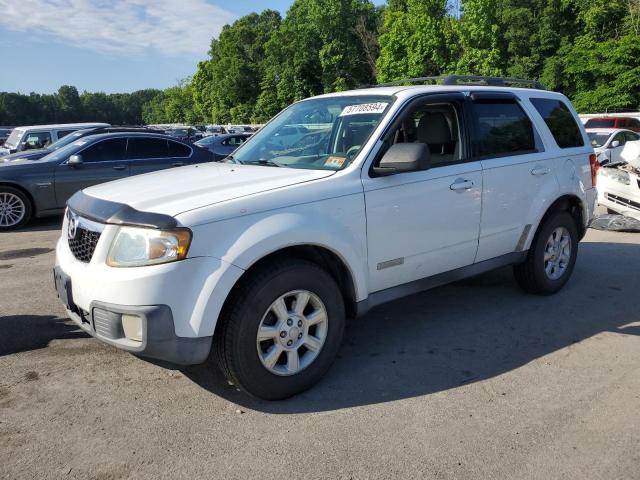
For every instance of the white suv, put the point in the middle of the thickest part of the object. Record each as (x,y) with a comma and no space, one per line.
(257,261)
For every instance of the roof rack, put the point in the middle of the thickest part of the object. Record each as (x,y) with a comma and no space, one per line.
(468,80)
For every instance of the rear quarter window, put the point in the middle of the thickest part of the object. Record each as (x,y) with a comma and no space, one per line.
(560,121)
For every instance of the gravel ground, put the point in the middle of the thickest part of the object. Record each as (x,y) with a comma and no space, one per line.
(472,380)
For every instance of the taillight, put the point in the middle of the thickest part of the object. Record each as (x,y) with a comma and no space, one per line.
(595,166)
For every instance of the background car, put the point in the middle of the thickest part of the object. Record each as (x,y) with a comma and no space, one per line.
(223,145)
(609,142)
(186,134)
(41,152)
(41,136)
(4,134)
(629,123)
(41,187)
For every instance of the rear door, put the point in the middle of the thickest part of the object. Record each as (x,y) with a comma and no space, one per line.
(102,161)
(517,172)
(149,154)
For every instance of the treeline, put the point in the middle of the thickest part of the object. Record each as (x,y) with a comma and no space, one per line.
(67,106)
(587,49)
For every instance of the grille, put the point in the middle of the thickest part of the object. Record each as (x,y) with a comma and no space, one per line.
(622,201)
(83,244)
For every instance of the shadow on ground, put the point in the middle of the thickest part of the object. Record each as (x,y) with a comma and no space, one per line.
(463,333)
(43,224)
(21,333)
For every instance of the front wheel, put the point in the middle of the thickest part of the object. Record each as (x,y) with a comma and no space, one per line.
(552,256)
(15,208)
(281,330)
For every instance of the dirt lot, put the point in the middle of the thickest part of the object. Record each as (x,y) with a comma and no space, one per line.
(474,380)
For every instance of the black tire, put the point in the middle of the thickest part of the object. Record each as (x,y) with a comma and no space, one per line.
(235,348)
(26,202)
(530,274)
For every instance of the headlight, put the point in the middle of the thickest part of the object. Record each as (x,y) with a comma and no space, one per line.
(136,247)
(618,175)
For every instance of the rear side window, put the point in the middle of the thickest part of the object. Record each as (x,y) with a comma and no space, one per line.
(502,128)
(148,148)
(560,121)
(178,150)
(64,133)
(105,151)
(600,123)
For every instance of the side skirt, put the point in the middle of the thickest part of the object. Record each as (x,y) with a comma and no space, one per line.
(406,289)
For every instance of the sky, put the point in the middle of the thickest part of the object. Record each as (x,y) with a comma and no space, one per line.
(110,45)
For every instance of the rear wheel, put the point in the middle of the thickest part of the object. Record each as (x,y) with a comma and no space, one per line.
(15,208)
(552,256)
(281,330)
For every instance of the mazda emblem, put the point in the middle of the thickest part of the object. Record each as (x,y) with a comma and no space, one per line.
(72,227)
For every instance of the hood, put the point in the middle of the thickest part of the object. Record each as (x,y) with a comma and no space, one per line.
(27,155)
(179,190)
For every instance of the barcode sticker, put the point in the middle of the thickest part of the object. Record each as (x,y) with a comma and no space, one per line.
(377,107)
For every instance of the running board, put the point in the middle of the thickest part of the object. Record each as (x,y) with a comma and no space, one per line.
(417,286)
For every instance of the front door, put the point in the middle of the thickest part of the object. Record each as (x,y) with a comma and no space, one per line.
(102,161)
(424,222)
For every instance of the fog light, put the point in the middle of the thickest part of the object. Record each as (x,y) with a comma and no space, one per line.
(132,326)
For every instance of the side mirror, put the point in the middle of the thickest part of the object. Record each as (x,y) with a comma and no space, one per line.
(614,144)
(404,157)
(75,161)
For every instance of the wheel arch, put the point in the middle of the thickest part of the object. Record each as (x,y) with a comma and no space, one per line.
(324,257)
(566,203)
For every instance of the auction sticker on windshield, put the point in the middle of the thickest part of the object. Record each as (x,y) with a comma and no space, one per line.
(377,107)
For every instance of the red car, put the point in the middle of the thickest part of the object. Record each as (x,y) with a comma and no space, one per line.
(614,122)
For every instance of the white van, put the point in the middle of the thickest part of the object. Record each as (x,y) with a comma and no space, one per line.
(41,136)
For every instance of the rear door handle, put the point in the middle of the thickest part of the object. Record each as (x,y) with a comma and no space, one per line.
(461,184)
(178,164)
(120,167)
(539,171)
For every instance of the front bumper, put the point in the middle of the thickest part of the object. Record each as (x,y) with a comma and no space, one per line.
(158,339)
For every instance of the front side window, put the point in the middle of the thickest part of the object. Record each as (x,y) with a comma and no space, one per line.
(105,151)
(140,148)
(178,150)
(37,140)
(340,126)
(631,137)
(501,128)
(560,121)
(620,138)
(435,124)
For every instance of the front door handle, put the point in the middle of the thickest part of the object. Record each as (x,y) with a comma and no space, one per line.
(539,171)
(120,167)
(461,184)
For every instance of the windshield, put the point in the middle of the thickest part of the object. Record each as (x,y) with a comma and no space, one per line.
(598,139)
(66,151)
(14,138)
(67,139)
(318,134)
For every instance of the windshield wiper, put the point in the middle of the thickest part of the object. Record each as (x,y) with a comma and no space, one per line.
(269,163)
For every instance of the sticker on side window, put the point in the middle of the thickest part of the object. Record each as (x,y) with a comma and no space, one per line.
(334,162)
(377,107)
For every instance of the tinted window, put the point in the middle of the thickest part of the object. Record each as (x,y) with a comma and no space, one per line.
(631,137)
(620,137)
(105,150)
(234,141)
(560,121)
(64,133)
(148,148)
(178,150)
(600,123)
(502,128)
(634,123)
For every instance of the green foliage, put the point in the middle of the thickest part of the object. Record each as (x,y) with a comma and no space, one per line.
(67,106)
(587,49)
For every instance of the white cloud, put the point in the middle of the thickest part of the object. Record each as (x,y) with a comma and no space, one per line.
(120,26)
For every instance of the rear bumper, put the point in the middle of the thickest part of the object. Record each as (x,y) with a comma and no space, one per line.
(159,341)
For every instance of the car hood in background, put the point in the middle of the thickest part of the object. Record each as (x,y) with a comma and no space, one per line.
(179,190)
(28,155)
